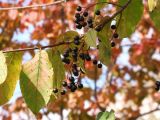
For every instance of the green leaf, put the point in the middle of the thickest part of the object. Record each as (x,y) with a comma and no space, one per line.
(130,17)
(104,54)
(13,61)
(58,68)
(152,4)
(90,38)
(155,15)
(67,36)
(3,68)
(36,81)
(106,115)
(104,45)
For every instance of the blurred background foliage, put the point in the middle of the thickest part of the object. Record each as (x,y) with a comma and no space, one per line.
(126,85)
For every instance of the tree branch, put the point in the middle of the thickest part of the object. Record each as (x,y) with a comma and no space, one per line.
(141,115)
(34,48)
(102,23)
(33,6)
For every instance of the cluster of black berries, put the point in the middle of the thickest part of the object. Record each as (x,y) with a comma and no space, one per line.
(157,88)
(71,85)
(83,20)
(71,53)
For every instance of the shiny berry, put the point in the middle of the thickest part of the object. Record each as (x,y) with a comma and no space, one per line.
(78,26)
(90,25)
(76,37)
(79,8)
(115,35)
(55,90)
(89,21)
(75,72)
(80,85)
(84,24)
(81,18)
(87,57)
(63,92)
(64,83)
(113,44)
(113,27)
(76,42)
(98,28)
(95,62)
(99,65)
(77,15)
(66,61)
(85,14)
(71,79)
(98,12)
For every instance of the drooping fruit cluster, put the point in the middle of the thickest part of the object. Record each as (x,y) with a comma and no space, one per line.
(82,19)
(78,51)
(157,88)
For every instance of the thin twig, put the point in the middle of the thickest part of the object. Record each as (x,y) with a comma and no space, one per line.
(106,19)
(34,48)
(33,6)
(157,109)
(102,23)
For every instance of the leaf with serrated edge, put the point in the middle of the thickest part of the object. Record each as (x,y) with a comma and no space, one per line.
(13,61)
(3,68)
(36,81)
(90,38)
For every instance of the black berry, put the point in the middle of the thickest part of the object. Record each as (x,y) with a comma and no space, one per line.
(80,85)
(64,83)
(71,79)
(81,18)
(98,12)
(76,37)
(95,62)
(82,56)
(115,35)
(98,28)
(66,61)
(76,42)
(73,88)
(90,25)
(78,26)
(55,90)
(90,21)
(99,65)
(87,57)
(85,14)
(75,72)
(79,8)
(66,54)
(63,92)
(84,24)
(77,15)
(113,27)
(113,44)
